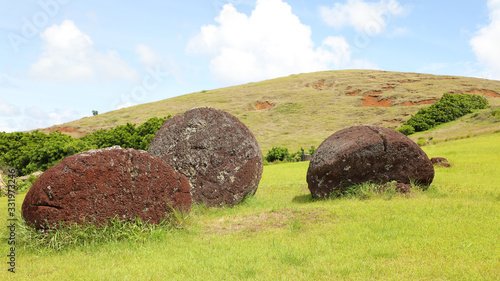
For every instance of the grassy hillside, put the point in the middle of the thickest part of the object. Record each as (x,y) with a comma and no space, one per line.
(302,110)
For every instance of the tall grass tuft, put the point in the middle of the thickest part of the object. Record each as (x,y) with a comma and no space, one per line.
(71,235)
(369,190)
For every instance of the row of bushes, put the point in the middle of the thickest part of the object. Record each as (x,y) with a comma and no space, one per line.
(37,151)
(281,154)
(448,108)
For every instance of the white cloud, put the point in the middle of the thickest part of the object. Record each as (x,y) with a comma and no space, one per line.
(69,55)
(7,109)
(36,118)
(147,56)
(371,18)
(123,105)
(269,43)
(6,82)
(8,126)
(486,42)
(36,112)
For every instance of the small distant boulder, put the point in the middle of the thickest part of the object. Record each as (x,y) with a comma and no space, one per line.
(440,161)
(216,152)
(34,174)
(97,185)
(367,154)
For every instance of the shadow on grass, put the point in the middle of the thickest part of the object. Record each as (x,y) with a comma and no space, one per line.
(303,199)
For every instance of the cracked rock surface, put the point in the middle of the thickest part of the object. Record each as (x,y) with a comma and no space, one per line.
(100,184)
(360,154)
(217,153)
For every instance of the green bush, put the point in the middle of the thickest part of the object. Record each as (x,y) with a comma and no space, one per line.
(312,150)
(277,154)
(448,108)
(281,154)
(421,142)
(37,151)
(127,136)
(406,130)
(495,113)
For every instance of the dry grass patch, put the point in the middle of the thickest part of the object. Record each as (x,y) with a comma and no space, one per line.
(267,220)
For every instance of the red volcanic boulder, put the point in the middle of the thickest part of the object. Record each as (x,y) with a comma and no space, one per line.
(440,161)
(100,184)
(216,152)
(366,153)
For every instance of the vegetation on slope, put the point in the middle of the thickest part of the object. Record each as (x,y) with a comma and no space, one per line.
(448,108)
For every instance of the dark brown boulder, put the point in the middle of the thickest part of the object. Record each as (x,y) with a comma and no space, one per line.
(100,184)
(366,153)
(440,161)
(216,152)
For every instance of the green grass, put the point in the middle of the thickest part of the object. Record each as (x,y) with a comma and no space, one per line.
(448,232)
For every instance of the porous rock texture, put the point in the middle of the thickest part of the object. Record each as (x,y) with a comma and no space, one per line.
(216,152)
(97,185)
(366,153)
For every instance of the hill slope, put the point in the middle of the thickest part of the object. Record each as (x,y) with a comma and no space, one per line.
(302,110)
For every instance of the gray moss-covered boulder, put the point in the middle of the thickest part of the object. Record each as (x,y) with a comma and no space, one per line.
(360,154)
(215,151)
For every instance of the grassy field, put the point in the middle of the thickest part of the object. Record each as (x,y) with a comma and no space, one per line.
(307,108)
(449,232)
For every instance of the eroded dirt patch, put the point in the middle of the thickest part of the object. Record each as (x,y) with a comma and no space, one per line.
(63,130)
(372,99)
(320,84)
(393,121)
(261,106)
(488,93)
(353,93)
(408,81)
(414,103)
(389,87)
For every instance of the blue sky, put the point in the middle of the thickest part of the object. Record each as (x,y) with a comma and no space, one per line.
(61,59)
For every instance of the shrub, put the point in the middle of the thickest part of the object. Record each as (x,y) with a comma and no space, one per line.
(448,108)
(277,154)
(421,142)
(37,151)
(127,136)
(406,130)
(495,113)
(312,150)
(30,152)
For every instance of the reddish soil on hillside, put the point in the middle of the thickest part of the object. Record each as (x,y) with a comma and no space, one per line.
(393,121)
(357,92)
(261,106)
(488,93)
(319,84)
(408,81)
(63,130)
(74,132)
(389,87)
(371,99)
(414,103)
